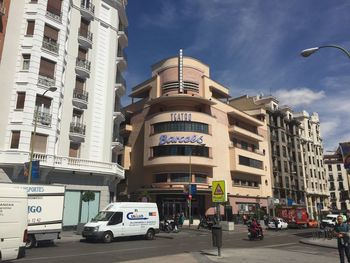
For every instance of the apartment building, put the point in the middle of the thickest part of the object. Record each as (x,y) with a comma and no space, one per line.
(338,180)
(285,146)
(180,130)
(61,78)
(316,183)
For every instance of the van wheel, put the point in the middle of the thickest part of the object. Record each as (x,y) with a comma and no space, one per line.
(150,234)
(31,242)
(107,237)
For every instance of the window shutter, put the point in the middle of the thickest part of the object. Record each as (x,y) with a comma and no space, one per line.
(20,100)
(30,28)
(40,141)
(47,68)
(51,33)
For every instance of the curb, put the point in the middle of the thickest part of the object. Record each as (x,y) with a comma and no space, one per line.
(320,244)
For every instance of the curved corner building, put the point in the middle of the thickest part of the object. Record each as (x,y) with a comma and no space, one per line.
(181,130)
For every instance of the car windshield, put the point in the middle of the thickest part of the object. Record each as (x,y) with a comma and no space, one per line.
(102,216)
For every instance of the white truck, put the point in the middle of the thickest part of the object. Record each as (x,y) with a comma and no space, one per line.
(123,219)
(13,222)
(45,212)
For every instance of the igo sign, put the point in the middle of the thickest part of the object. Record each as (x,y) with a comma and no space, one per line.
(35,209)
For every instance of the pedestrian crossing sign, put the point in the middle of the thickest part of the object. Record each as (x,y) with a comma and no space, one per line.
(219,192)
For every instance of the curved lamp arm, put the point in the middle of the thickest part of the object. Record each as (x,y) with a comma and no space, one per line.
(307,52)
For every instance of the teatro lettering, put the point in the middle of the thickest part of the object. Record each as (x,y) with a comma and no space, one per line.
(180,116)
(164,139)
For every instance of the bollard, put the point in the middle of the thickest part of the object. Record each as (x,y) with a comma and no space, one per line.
(216,231)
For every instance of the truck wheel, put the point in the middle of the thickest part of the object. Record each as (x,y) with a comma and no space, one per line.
(31,242)
(150,234)
(107,237)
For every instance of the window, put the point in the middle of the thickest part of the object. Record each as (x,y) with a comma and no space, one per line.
(117,218)
(15,139)
(250,162)
(25,61)
(30,28)
(50,33)
(201,178)
(79,84)
(161,178)
(74,149)
(47,68)
(329,167)
(54,7)
(39,142)
(338,167)
(20,100)
(179,177)
(181,126)
(181,150)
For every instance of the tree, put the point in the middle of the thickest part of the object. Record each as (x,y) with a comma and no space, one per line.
(87,197)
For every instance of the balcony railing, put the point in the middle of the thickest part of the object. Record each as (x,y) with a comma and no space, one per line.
(63,163)
(46,81)
(81,95)
(43,118)
(248,149)
(83,63)
(55,15)
(50,45)
(78,128)
(85,34)
(87,9)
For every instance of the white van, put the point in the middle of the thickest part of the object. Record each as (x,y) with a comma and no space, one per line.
(13,222)
(124,219)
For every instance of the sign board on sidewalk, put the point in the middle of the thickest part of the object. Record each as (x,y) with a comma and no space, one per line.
(219,191)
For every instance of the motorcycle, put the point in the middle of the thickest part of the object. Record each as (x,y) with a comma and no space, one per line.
(255,234)
(166,226)
(205,223)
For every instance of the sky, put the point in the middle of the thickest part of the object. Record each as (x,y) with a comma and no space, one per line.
(253,47)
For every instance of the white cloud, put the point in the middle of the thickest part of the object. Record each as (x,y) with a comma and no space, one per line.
(298,96)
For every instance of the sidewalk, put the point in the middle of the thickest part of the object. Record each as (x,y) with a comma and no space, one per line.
(251,255)
(322,242)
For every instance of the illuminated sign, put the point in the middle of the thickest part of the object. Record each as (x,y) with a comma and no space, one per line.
(164,139)
(180,116)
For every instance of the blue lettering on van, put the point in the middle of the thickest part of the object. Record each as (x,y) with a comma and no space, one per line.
(34,189)
(132,216)
(35,209)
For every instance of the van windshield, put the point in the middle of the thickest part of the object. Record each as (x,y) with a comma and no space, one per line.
(102,216)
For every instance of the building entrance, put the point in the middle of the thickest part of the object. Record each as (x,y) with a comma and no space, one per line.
(170,206)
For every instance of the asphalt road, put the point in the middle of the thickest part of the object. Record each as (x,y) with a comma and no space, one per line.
(186,241)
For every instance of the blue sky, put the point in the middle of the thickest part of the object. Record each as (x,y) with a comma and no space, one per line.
(253,47)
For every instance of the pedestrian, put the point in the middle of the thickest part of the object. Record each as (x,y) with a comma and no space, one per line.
(342,232)
(275,220)
(182,219)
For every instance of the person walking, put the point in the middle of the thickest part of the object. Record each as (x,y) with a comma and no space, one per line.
(342,232)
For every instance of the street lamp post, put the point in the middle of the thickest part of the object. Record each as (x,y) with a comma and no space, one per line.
(308,52)
(52,89)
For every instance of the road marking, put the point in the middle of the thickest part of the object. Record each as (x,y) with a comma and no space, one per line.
(281,245)
(87,254)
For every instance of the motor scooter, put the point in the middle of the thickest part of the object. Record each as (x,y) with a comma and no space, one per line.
(257,234)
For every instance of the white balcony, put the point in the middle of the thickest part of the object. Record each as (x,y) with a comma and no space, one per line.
(46,82)
(87,9)
(77,132)
(82,67)
(18,158)
(121,60)
(118,116)
(50,45)
(80,99)
(85,38)
(117,145)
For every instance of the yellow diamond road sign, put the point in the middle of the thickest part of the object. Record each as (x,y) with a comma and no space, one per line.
(219,192)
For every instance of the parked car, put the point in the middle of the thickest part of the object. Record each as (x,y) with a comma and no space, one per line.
(312,223)
(282,224)
(330,220)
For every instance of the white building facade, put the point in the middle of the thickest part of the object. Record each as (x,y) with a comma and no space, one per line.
(76,47)
(316,183)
